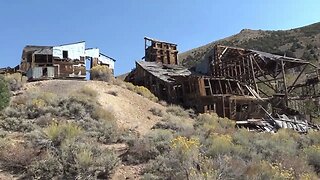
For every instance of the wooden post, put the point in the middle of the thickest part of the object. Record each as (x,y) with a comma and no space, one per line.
(32,60)
(223,107)
(284,83)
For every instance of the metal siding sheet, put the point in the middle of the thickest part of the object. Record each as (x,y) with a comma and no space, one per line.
(50,72)
(29,73)
(37,72)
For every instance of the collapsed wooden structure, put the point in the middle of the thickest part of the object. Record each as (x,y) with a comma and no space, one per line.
(236,83)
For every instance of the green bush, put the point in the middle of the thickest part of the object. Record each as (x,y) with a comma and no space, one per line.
(4,93)
(59,133)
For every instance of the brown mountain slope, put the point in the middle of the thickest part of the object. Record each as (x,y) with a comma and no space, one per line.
(303,42)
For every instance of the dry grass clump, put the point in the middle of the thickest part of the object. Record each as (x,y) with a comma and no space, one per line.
(89,92)
(177,111)
(59,133)
(156,111)
(145,93)
(181,126)
(113,93)
(149,147)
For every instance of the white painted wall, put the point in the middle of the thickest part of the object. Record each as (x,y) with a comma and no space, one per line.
(107,60)
(74,50)
(94,52)
(77,50)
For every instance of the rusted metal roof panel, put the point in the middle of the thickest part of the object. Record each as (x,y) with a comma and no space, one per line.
(164,72)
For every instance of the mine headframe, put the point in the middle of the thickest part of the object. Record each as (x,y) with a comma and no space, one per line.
(160,51)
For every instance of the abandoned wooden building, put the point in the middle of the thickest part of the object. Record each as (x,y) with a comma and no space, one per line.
(236,83)
(62,61)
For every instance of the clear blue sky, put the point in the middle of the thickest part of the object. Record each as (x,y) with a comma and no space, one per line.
(117,27)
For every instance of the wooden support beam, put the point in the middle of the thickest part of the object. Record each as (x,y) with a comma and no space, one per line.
(263,93)
(220,87)
(284,82)
(224,51)
(223,106)
(240,88)
(262,72)
(269,85)
(295,81)
(253,74)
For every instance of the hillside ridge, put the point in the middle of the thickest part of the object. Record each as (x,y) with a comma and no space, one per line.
(302,42)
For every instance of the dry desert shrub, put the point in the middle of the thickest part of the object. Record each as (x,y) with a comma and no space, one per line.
(4,93)
(101,73)
(16,81)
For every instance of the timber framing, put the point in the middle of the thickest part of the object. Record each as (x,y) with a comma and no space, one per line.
(160,51)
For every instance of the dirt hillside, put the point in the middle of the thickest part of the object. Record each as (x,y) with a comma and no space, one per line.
(131,110)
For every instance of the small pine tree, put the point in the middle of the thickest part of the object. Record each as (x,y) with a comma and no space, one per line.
(4,93)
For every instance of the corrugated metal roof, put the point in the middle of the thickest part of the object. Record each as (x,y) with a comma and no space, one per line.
(274,57)
(39,49)
(164,72)
(156,40)
(44,51)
